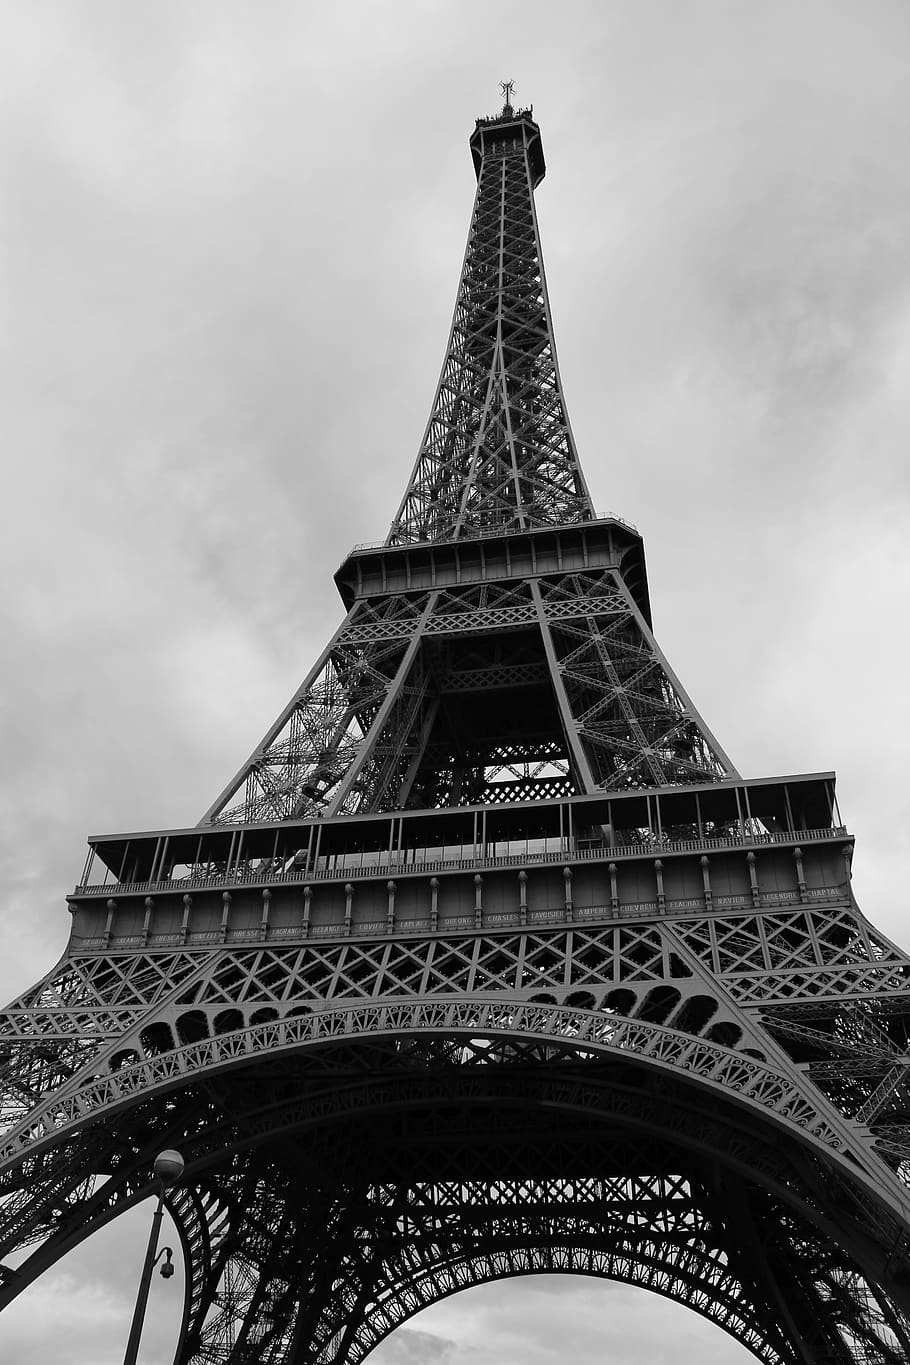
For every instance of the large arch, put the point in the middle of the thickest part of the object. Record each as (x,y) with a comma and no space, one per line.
(319,1142)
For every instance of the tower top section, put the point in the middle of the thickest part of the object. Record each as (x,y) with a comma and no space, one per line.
(511,129)
(498,453)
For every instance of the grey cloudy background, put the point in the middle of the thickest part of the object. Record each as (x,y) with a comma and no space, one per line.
(229,242)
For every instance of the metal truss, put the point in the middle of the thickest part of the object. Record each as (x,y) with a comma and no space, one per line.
(101,1024)
(646,1230)
(403,1045)
(575,692)
(498,451)
(361,733)
(309,1240)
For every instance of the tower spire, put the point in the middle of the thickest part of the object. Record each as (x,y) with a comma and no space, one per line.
(498,451)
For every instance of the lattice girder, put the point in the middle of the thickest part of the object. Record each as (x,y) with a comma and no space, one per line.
(498,449)
(416,694)
(476,1239)
(672,993)
(319,738)
(669,973)
(764,1085)
(672,1258)
(319,1135)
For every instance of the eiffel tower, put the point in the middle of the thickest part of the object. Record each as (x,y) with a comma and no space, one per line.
(487,961)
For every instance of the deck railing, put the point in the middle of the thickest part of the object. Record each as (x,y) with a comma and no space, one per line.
(410,862)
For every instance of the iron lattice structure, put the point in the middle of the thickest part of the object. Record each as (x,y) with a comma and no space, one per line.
(487,961)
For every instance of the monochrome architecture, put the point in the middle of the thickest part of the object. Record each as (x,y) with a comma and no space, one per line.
(487,961)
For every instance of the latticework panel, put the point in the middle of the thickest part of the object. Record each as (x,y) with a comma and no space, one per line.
(636,724)
(327,1206)
(498,451)
(824,977)
(419,1243)
(482,693)
(343,734)
(299,769)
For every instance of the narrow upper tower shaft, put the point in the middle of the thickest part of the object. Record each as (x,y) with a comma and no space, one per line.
(498,450)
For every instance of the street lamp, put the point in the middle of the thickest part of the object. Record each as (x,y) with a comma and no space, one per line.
(168,1169)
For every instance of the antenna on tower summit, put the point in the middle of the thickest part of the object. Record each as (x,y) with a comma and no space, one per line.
(508,90)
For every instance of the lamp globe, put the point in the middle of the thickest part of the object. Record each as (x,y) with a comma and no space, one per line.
(169,1167)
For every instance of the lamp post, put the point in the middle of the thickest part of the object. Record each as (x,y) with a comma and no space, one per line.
(168,1169)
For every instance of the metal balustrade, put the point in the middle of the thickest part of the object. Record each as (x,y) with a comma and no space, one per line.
(486,532)
(410,862)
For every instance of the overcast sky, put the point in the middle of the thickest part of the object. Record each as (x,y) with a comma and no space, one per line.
(230,235)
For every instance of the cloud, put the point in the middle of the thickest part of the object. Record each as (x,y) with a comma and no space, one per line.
(534,1319)
(87,1302)
(410,1347)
